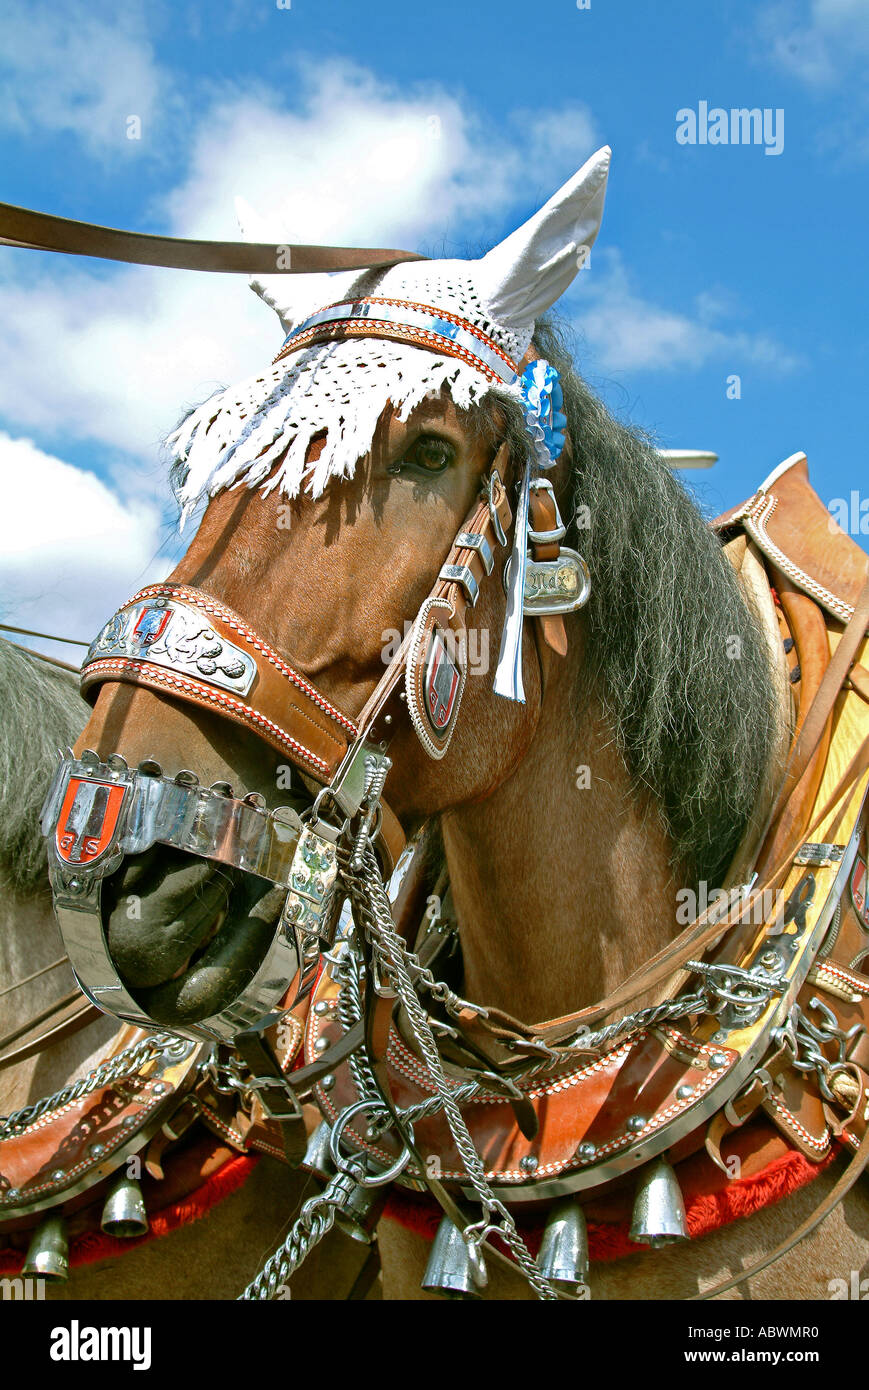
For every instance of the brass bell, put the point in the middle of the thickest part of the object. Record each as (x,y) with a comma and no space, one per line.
(452,1269)
(563,1257)
(124,1213)
(48,1252)
(317,1153)
(659,1212)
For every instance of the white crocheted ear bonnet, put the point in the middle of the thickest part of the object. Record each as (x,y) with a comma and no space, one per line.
(413,329)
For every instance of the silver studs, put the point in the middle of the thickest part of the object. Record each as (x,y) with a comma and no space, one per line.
(158,1088)
(635,1124)
(321,1007)
(58,1175)
(327,1083)
(586,1151)
(96,1150)
(529,1163)
(12,1195)
(718,1059)
(684,1092)
(321,1044)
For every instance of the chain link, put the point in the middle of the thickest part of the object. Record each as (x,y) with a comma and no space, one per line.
(131,1060)
(372,912)
(314,1221)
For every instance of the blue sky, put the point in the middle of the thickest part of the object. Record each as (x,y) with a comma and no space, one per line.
(438,128)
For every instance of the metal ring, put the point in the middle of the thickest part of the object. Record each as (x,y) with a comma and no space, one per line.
(350,1165)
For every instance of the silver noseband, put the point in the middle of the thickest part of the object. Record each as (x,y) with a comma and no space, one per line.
(95,813)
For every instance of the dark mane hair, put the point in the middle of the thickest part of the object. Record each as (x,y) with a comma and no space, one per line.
(43,711)
(674,654)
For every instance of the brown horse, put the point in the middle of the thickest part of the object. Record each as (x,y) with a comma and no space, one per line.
(569,822)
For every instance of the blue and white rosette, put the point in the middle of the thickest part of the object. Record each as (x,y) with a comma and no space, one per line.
(542,401)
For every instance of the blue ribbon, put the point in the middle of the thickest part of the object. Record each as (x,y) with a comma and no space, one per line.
(542,401)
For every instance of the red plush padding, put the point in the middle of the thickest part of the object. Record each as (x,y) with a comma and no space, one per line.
(705,1211)
(91,1246)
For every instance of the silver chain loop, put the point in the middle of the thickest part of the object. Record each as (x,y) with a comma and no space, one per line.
(124,1064)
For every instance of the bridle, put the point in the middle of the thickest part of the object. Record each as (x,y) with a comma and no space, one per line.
(180,642)
(96,812)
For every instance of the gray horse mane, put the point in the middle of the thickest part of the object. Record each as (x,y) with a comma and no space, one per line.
(674,654)
(42,711)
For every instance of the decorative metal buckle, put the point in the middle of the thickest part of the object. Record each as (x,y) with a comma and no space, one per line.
(554,586)
(559,530)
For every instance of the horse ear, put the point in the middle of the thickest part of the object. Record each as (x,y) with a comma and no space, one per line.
(293,297)
(524,274)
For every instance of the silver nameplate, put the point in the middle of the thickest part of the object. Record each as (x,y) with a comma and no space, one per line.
(175,635)
(554,586)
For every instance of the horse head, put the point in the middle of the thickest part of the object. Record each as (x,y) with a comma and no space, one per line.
(336,484)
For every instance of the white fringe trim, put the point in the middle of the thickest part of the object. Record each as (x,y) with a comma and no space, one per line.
(341,388)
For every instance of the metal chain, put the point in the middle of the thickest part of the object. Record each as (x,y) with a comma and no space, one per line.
(372,911)
(126,1062)
(594,1042)
(314,1221)
(716,991)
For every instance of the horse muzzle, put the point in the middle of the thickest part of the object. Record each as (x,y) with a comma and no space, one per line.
(97,813)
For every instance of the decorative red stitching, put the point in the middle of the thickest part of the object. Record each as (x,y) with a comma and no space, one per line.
(186,594)
(426,309)
(248,715)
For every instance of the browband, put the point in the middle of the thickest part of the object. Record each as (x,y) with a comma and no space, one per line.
(436,330)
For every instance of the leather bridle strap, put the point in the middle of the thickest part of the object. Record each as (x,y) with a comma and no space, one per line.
(41,231)
(66,1017)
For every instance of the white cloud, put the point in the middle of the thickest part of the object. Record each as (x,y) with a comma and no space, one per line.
(817,42)
(626,332)
(353,162)
(71,548)
(68,69)
(116,359)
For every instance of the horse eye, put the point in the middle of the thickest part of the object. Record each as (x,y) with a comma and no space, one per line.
(429,453)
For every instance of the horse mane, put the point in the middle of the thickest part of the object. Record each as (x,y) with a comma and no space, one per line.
(677,659)
(43,711)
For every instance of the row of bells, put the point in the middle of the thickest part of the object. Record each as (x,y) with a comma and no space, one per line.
(124,1216)
(454,1269)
